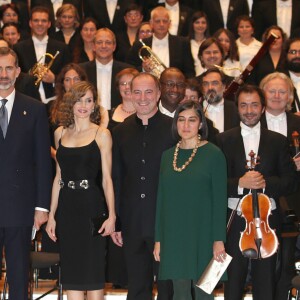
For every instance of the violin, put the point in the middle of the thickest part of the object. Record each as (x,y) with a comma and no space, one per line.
(258,240)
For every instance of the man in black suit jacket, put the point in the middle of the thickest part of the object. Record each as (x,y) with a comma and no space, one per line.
(173,51)
(275,174)
(52,13)
(103,70)
(265,15)
(30,51)
(278,90)
(98,10)
(214,13)
(184,16)
(25,174)
(222,112)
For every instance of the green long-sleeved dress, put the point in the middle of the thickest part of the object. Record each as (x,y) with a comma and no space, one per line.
(191,211)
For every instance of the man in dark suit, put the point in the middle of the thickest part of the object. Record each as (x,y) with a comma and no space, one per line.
(138,145)
(103,70)
(222,112)
(217,13)
(107,14)
(25,174)
(53,8)
(279,92)
(267,13)
(173,51)
(292,52)
(31,50)
(180,17)
(275,174)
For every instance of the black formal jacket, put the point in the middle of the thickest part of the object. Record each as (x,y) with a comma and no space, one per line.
(25,85)
(137,151)
(275,162)
(27,58)
(97,9)
(59,36)
(179,52)
(212,8)
(91,71)
(185,14)
(293,124)
(25,173)
(264,15)
(49,5)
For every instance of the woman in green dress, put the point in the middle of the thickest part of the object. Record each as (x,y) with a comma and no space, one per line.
(191,206)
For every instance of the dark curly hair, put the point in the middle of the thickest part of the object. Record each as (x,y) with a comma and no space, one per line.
(60,89)
(65,113)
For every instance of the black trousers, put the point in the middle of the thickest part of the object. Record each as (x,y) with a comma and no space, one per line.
(16,242)
(141,269)
(263,272)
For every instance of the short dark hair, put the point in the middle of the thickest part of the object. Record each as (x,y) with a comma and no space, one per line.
(244,18)
(214,70)
(251,89)
(193,85)
(207,43)
(8,51)
(133,6)
(40,9)
(186,105)
(288,43)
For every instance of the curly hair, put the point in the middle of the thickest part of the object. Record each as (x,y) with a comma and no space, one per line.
(60,89)
(65,113)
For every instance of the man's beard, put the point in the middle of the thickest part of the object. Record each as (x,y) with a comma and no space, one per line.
(212,97)
(293,65)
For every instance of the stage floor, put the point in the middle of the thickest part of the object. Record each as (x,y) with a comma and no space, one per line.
(110,293)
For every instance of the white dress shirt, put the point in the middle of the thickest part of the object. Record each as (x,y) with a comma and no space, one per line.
(277,123)
(215,113)
(161,49)
(296,82)
(111,8)
(197,64)
(284,15)
(104,73)
(56,5)
(2,2)
(247,52)
(40,47)
(174,17)
(165,111)
(224,8)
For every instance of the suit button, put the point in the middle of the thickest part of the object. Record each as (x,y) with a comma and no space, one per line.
(143,196)
(143,178)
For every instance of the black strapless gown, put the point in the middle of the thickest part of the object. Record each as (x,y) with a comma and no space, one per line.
(82,256)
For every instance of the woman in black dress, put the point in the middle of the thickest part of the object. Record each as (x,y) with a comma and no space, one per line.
(82,189)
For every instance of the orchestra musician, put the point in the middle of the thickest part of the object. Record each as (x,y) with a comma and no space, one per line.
(275,175)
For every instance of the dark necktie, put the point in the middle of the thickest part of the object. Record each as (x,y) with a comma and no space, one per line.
(3,117)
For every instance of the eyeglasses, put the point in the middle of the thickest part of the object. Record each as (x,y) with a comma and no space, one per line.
(172,84)
(294,52)
(145,32)
(125,83)
(108,43)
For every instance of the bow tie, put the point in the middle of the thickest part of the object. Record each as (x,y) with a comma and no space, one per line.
(249,131)
(104,67)
(158,43)
(276,118)
(212,108)
(284,4)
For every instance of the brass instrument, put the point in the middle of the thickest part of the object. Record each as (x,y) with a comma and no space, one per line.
(155,64)
(40,69)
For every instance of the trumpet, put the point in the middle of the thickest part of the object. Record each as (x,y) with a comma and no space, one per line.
(40,69)
(155,64)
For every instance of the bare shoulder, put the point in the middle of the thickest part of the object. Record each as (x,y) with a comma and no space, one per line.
(103,137)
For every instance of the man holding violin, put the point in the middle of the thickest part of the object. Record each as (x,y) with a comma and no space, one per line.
(274,174)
